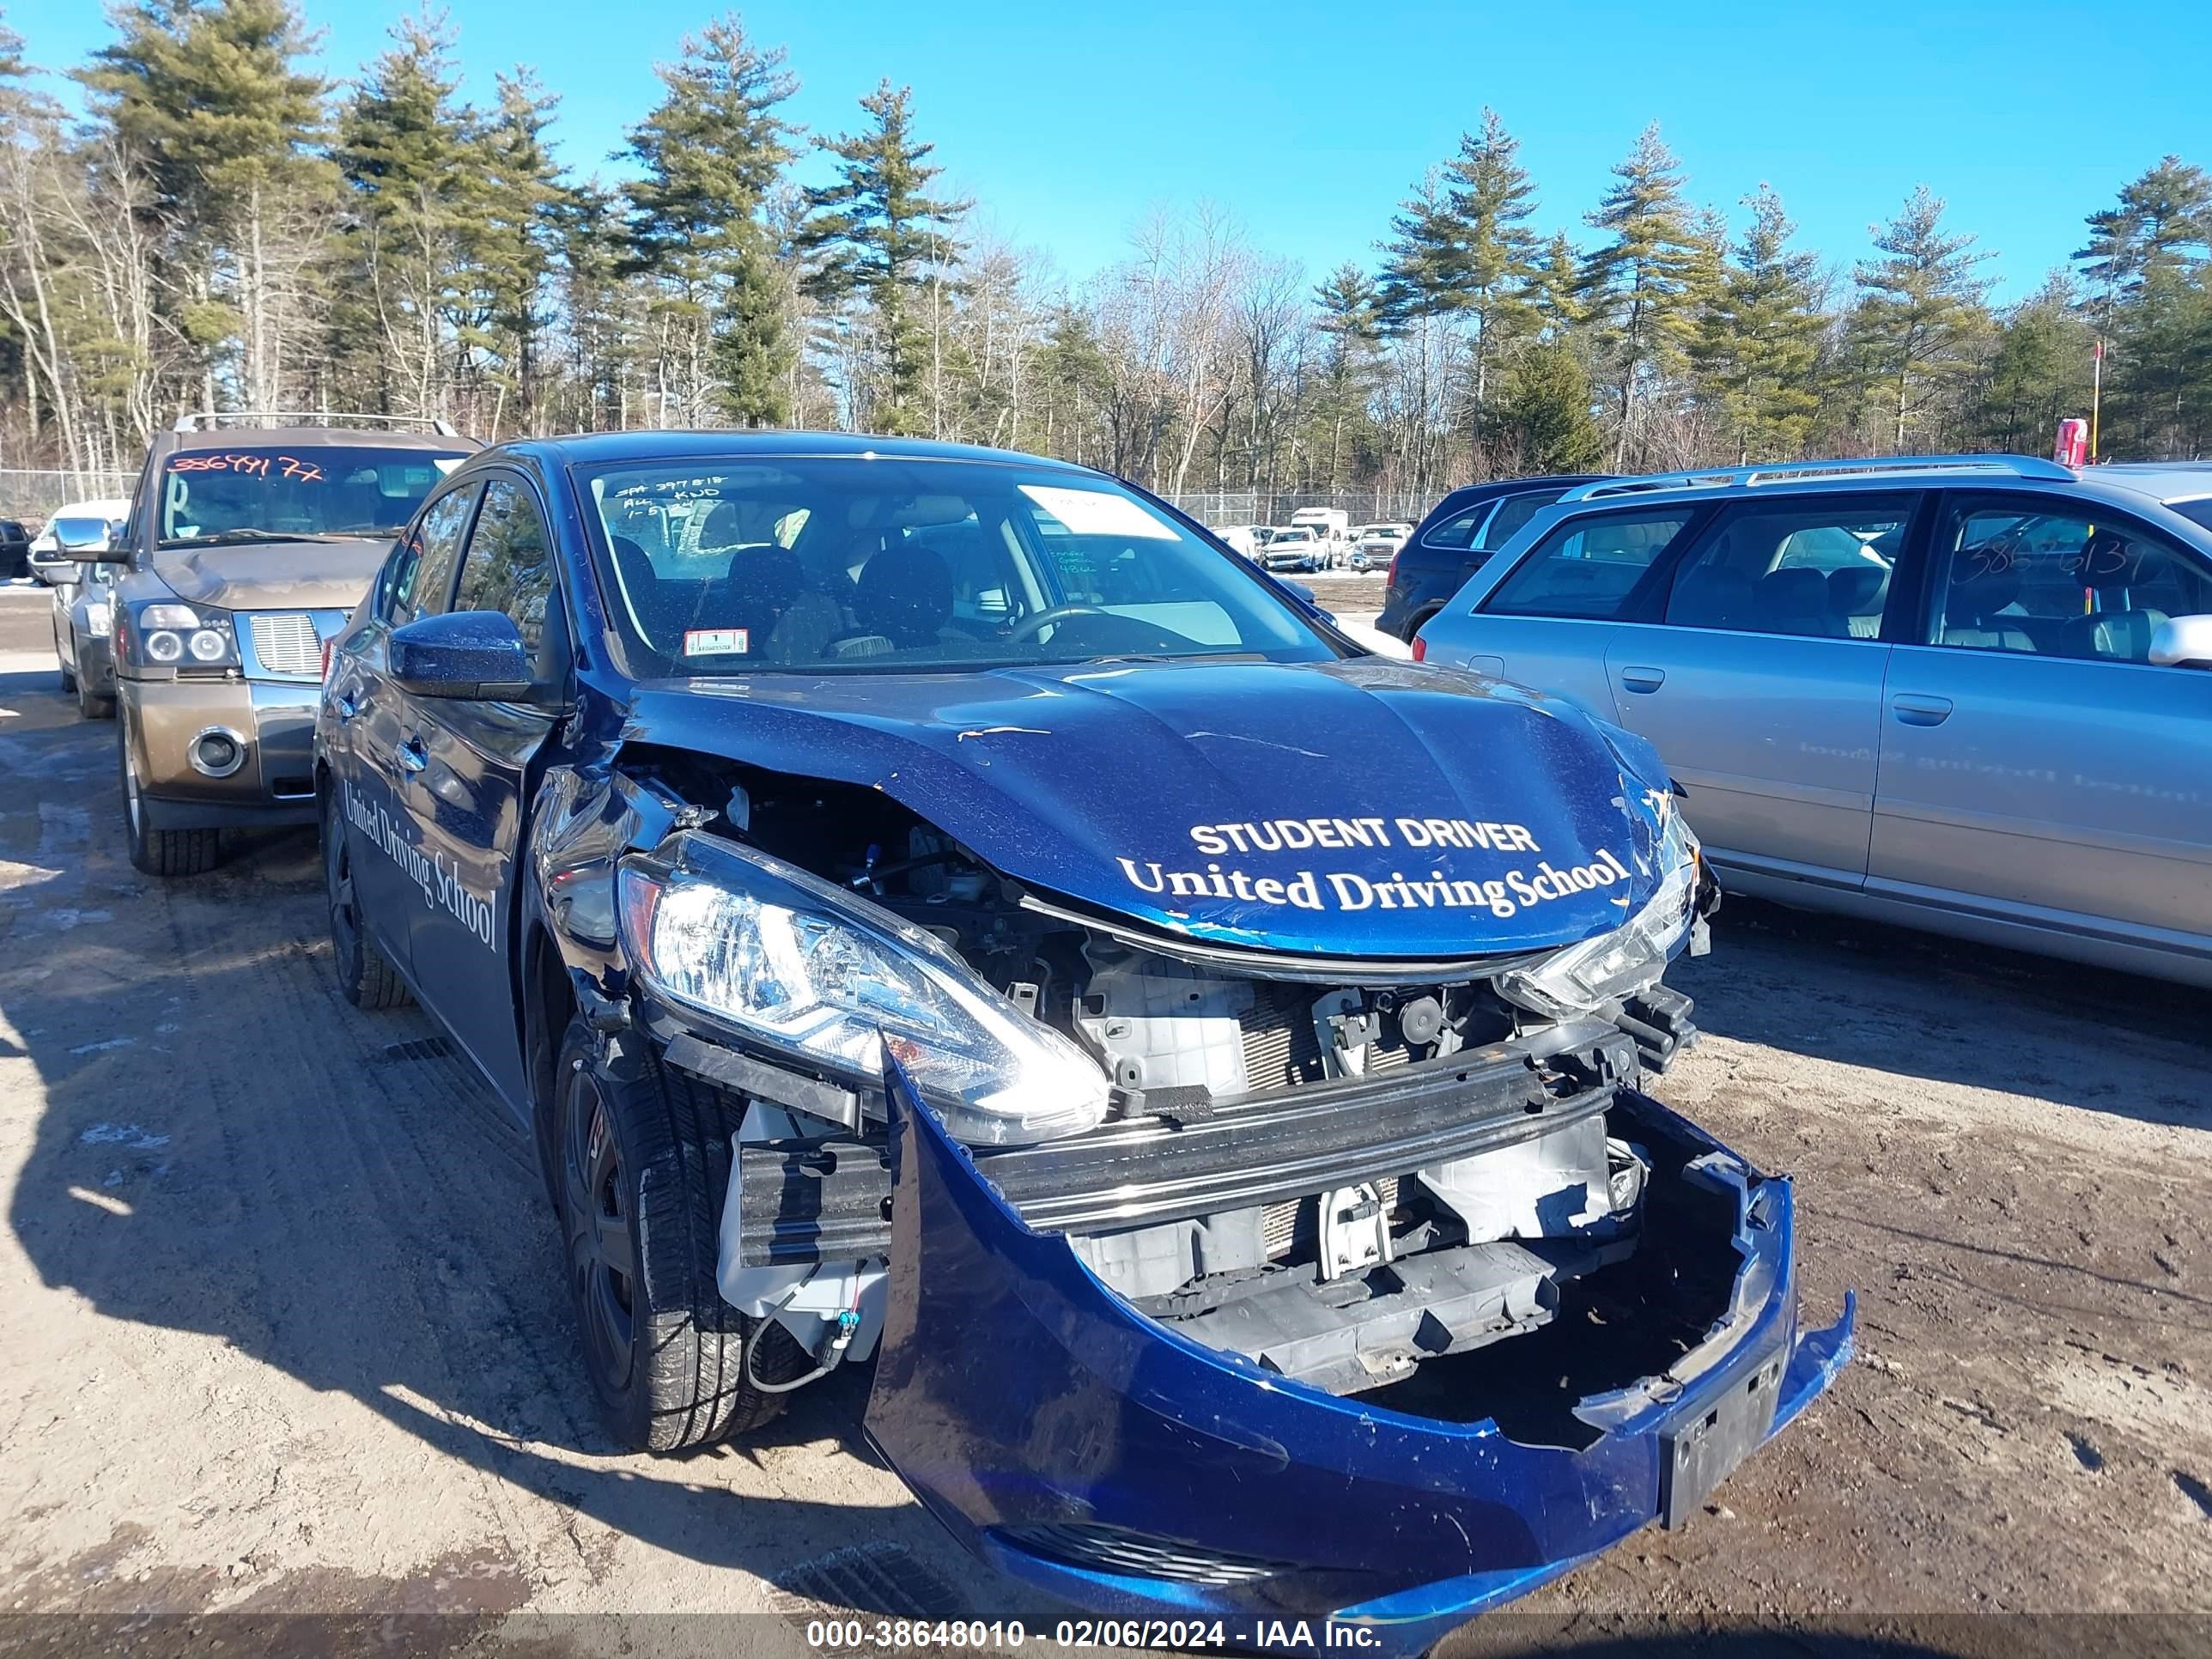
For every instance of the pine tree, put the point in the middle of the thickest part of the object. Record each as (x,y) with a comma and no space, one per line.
(1757,343)
(1351,325)
(2164,214)
(1543,414)
(709,154)
(1491,199)
(1633,287)
(876,237)
(2039,371)
(513,245)
(1920,315)
(210,99)
(1555,286)
(409,152)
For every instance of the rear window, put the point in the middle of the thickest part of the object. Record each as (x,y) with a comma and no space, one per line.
(1586,567)
(236,494)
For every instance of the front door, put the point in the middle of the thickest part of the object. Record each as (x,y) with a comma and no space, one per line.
(1761,685)
(2036,765)
(465,768)
(383,864)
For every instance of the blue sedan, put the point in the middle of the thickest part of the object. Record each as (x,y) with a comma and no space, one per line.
(939,908)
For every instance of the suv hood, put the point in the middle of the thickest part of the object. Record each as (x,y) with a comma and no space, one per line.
(1366,808)
(329,575)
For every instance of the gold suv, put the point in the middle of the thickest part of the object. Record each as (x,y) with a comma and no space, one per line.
(251,539)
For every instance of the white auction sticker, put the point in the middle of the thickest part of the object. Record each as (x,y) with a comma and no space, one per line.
(718,641)
(1099,513)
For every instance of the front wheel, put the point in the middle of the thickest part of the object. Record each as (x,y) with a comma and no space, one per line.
(645,1162)
(158,852)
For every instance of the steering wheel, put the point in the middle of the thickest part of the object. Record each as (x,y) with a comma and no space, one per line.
(1043,619)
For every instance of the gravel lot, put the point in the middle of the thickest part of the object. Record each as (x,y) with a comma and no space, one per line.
(281,1329)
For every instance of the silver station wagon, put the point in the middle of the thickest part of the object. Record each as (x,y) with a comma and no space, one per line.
(1963,693)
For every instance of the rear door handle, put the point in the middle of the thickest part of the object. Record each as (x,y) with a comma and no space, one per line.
(1913,709)
(413,757)
(347,704)
(1643,679)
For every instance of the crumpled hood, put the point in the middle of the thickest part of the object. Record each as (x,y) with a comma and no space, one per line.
(273,576)
(1367,808)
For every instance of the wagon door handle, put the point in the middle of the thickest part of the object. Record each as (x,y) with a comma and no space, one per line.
(413,757)
(1643,679)
(347,704)
(1913,709)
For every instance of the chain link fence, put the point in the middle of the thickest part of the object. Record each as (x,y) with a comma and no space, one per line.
(1218,508)
(30,495)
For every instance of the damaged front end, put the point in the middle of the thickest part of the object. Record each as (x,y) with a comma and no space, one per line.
(1208,1280)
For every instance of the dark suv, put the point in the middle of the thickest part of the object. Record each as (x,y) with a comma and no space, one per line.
(1461,532)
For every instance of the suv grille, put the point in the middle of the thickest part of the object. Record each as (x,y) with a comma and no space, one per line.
(284,642)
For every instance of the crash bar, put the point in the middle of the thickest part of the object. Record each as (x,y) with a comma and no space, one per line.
(1751,477)
(203,420)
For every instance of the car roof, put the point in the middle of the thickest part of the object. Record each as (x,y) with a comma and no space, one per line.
(2122,485)
(600,448)
(319,437)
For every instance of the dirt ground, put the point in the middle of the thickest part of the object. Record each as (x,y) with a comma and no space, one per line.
(282,1330)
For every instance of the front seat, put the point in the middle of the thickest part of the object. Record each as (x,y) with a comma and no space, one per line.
(1793,600)
(905,595)
(1975,614)
(2111,567)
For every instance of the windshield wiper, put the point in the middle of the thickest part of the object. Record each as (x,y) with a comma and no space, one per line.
(216,537)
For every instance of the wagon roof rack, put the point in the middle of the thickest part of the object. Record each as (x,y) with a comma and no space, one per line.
(1751,477)
(210,420)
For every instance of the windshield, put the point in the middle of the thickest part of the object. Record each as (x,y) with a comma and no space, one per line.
(214,495)
(878,565)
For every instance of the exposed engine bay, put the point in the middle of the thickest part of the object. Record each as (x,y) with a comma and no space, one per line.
(1342,1181)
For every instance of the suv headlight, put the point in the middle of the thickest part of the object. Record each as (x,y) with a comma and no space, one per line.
(833,980)
(172,635)
(1578,979)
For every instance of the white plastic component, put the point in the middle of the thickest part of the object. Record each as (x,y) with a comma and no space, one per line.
(1166,1025)
(807,1301)
(1543,1188)
(1355,1231)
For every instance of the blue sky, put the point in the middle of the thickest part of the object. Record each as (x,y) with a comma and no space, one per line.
(1067,122)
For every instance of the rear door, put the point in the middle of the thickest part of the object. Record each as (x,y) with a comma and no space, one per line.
(361,740)
(465,766)
(2036,765)
(1759,678)
(1548,623)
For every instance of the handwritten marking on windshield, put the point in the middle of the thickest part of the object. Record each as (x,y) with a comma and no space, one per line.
(252,465)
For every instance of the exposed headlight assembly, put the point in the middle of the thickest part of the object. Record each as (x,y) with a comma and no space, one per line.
(1578,978)
(833,980)
(192,637)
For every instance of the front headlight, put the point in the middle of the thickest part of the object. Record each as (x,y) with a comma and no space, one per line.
(1578,979)
(191,636)
(834,979)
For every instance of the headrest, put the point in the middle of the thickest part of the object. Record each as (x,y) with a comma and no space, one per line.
(905,593)
(1984,594)
(1856,589)
(1795,588)
(722,526)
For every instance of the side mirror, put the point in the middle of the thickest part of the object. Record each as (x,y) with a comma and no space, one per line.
(474,654)
(2183,642)
(87,541)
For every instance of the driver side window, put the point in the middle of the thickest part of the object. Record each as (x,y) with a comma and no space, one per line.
(420,572)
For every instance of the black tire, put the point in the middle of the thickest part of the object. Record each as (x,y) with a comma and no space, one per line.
(92,706)
(645,1161)
(366,976)
(158,852)
(1416,623)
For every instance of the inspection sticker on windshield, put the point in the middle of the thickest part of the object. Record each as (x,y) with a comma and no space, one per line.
(718,641)
(1097,512)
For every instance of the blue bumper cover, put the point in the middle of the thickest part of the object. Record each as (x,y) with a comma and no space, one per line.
(1100,1455)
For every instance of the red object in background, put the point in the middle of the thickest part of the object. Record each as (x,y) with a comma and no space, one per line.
(1420,649)
(2072,448)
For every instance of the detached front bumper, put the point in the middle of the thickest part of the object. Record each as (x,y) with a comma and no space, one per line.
(1106,1458)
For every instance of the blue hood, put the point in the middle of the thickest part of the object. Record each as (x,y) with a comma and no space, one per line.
(1366,808)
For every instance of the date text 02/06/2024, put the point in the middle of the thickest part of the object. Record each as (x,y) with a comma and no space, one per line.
(920,1635)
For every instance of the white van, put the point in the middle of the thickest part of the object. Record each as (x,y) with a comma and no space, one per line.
(1331,526)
